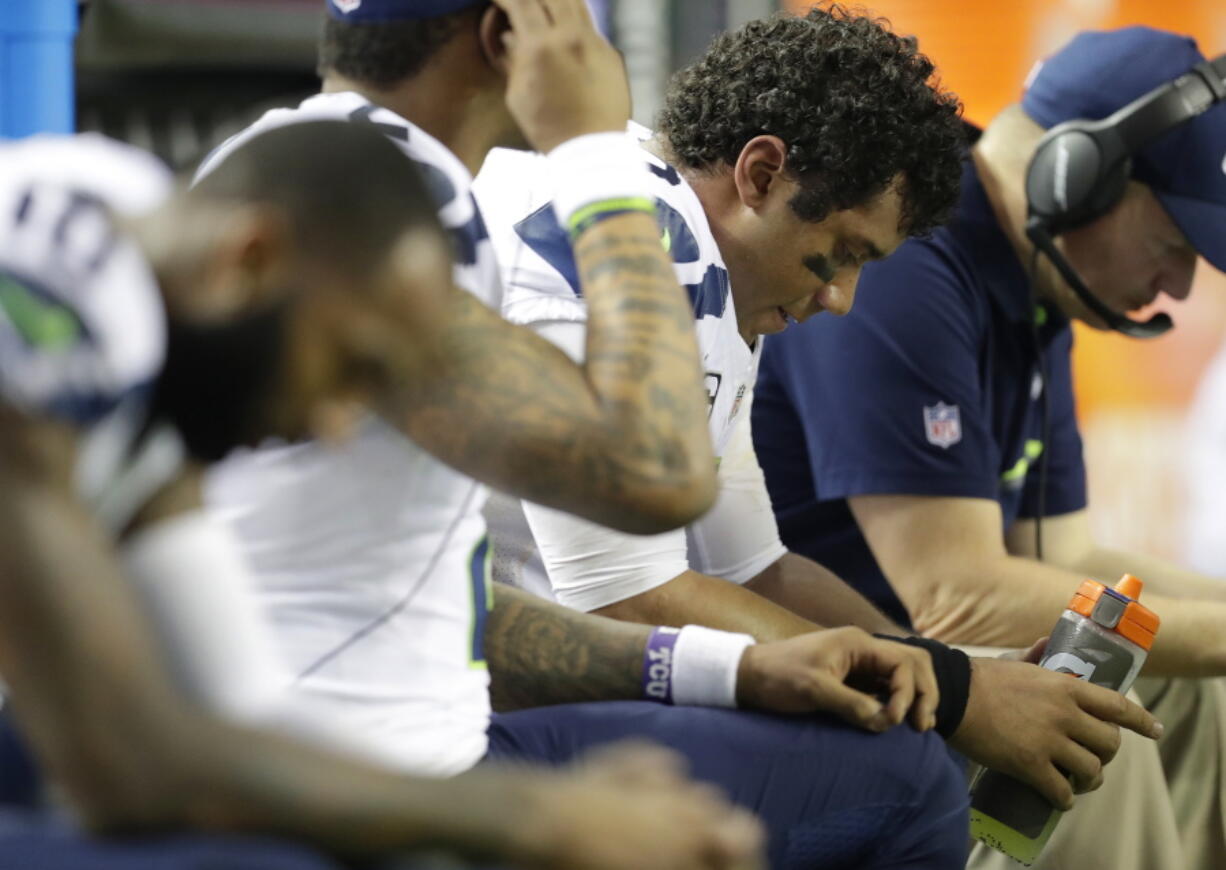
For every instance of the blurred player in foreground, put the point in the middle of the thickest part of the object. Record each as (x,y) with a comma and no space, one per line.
(236,311)
(372,562)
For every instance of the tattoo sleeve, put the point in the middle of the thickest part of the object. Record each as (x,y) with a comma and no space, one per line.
(541,653)
(621,439)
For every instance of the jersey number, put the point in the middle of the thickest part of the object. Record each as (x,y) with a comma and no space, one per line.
(71,248)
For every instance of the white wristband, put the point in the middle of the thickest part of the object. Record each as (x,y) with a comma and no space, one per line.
(705,663)
(595,168)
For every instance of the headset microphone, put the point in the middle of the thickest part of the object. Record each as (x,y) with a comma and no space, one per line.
(1042,239)
(1081,168)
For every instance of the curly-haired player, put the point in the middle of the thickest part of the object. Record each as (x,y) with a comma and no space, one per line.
(793,152)
(853,101)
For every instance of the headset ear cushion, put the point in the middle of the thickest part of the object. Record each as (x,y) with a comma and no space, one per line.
(1040,201)
(1066,182)
(1113,181)
(1062,174)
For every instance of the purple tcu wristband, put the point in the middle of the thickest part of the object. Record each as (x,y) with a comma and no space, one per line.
(658,664)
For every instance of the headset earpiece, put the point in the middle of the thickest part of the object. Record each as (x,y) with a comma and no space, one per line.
(1077,174)
(1080,170)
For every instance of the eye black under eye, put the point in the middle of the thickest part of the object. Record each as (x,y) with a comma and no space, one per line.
(820,266)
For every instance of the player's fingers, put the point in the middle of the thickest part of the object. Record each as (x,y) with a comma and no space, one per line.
(584,15)
(1101,738)
(526,16)
(736,843)
(927,692)
(913,684)
(1084,768)
(1054,786)
(848,704)
(1035,653)
(563,13)
(720,834)
(902,691)
(637,761)
(1111,706)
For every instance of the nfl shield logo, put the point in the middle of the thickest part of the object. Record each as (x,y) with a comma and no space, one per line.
(347,6)
(942,424)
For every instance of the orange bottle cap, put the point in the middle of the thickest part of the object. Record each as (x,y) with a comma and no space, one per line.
(1130,586)
(1137,623)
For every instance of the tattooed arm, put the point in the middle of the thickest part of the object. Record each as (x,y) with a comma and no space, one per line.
(542,653)
(89,687)
(621,439)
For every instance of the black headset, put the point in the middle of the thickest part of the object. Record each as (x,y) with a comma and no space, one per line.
(1080,169)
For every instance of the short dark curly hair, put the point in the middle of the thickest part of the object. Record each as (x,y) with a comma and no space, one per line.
(385,53)
(855,103)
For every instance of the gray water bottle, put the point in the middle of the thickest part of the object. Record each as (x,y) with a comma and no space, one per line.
(1104,638)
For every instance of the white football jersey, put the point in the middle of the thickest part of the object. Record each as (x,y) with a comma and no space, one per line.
(371,557)
(82,335)
(542,282)
(577,563)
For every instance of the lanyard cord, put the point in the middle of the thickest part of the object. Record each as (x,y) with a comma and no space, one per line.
(1045,413)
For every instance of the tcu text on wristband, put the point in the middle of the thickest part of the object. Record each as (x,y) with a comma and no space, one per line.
(658,664)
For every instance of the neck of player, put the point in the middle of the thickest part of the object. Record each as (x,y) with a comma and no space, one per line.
(442,105)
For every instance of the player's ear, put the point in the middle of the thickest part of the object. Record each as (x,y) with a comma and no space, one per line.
(214,259)
(491,26)
(251,256)
(758,168)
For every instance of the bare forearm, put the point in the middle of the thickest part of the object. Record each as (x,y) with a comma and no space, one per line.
(642,355)
(81,666)
(1159,575)
(506,407)
(541,653)
(1011,601)
(696,599)
(621,440)
(255,782)
(86,684)
(817,594)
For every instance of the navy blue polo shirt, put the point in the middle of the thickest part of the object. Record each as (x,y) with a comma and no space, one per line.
(930,386)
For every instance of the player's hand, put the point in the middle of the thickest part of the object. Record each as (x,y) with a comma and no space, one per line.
(564,79)
(1034,655)
(630,807)
(1037,726)
(841,671)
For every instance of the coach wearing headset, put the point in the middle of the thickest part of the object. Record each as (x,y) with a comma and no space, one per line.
(914,446)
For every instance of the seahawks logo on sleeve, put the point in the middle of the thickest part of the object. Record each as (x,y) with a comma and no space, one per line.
(543,233)
(80,315)
(40,320)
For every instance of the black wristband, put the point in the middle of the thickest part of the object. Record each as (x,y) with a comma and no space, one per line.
(953,672)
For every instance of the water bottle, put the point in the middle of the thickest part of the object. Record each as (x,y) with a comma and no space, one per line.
(1104,638)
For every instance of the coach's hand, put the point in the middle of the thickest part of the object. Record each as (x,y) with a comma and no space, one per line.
(842,671)
(564,79)
(1033,724)
(631,807)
